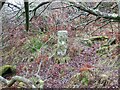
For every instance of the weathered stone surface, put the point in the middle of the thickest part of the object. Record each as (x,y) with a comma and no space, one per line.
(62,42)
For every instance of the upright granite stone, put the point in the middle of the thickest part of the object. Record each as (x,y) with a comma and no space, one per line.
(62,42)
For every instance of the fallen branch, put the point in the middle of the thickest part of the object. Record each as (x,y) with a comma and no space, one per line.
(3,80)
(14,79)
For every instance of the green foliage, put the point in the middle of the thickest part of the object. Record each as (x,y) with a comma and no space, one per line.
(84,81)
(86,76)
(33,45)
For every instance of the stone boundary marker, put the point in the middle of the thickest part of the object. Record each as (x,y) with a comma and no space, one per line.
(62,42)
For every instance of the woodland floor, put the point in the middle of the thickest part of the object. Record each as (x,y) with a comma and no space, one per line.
(59,72)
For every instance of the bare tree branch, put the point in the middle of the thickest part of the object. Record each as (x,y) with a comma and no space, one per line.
(97,5)
(2,2)
(96,12)
(90,22)
(41,4)
(107,22)
(10,4)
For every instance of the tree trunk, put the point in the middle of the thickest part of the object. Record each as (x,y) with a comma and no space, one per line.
(26,5)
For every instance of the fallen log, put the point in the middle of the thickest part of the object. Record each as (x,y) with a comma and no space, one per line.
(9,83)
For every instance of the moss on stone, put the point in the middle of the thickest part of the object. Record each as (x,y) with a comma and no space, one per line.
(7,70)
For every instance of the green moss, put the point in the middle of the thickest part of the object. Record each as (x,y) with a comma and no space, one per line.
(7,70)
(85,81)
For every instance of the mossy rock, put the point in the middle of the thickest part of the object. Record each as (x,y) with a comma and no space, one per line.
(7,70)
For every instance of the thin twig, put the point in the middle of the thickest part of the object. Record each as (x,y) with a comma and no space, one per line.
(101,27)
